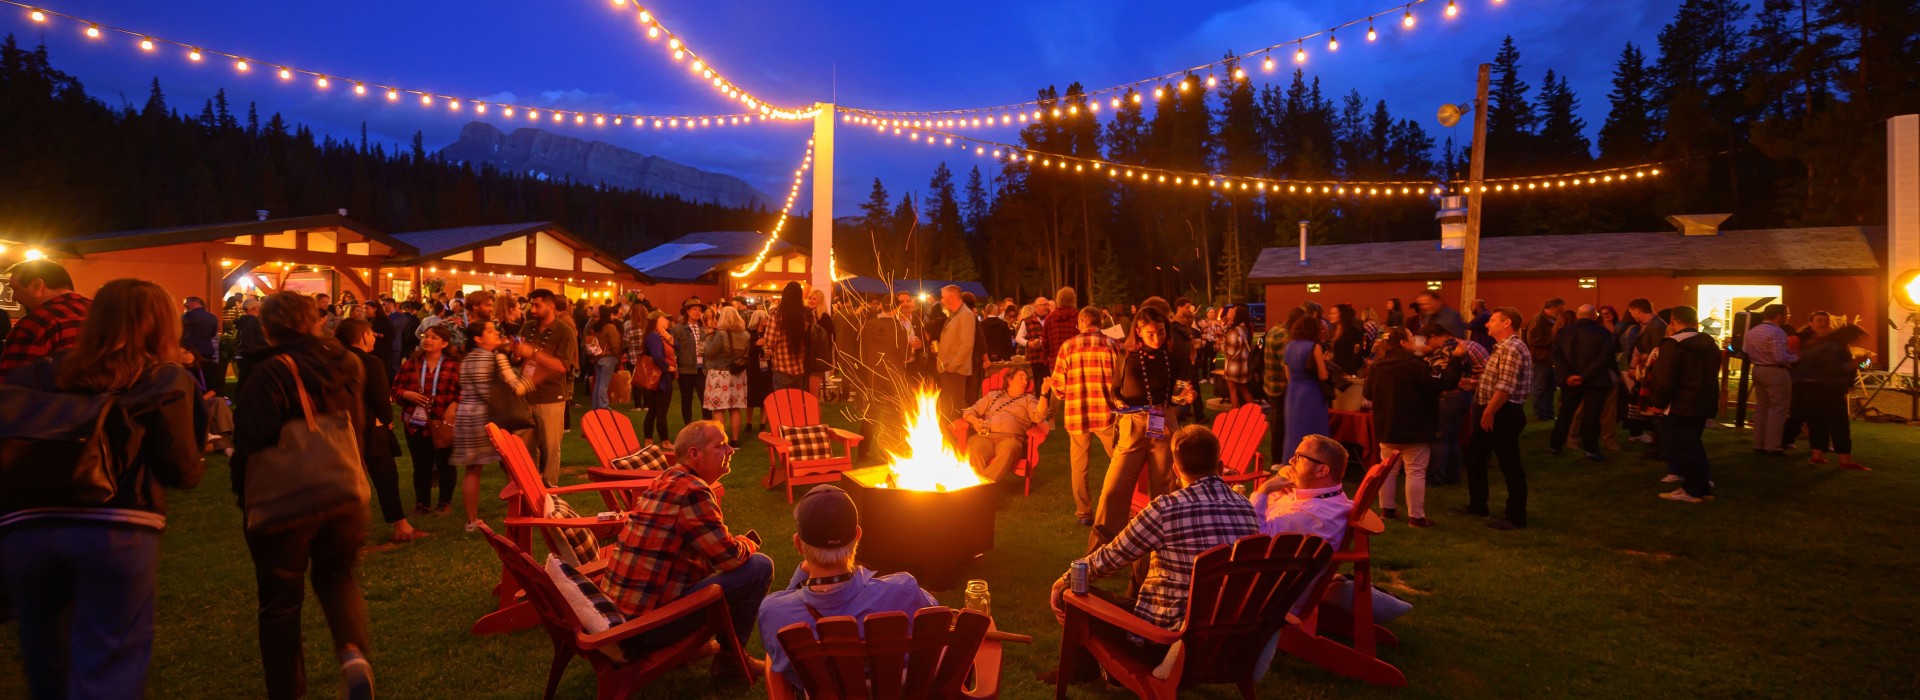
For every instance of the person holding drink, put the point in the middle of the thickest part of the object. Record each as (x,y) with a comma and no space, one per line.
(1145,390)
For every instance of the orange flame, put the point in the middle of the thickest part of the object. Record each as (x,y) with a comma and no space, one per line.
(929,464)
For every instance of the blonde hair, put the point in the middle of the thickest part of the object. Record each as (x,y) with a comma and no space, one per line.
(131,326)
(758,319)
(1026,312)
(703,433)
(729,320)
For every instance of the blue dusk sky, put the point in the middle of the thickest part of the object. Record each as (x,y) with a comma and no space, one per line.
(593,55)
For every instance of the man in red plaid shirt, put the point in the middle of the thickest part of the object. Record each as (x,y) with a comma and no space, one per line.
(675,542)
(1083,379)
(54,313)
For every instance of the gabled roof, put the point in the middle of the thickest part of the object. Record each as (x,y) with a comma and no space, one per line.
(1831,250)
(175,235)
(440,243)
(869,285)
(695,255)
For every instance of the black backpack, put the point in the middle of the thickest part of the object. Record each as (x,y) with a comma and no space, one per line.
(63,450)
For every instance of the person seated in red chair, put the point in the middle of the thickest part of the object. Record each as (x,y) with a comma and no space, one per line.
(675,542)
(828,582)
(1203,513)
(1000,422)
(1306,496)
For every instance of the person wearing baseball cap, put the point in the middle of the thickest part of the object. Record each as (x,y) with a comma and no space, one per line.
(828,582)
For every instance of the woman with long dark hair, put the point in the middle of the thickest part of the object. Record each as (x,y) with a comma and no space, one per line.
(1145,387)
(1396,317)
(1349,340)
(659,351)
(787,339)
(1236,345)
(485,363)
(83,579)
(324,545)
(611,344)
(1307,366)
(425,387)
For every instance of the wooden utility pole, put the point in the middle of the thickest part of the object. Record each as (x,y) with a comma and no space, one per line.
(1476,184)
(820,253)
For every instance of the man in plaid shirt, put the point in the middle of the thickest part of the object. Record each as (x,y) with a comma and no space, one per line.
(1498,397)
(1174,529)
(1083,379)
(675,542)
(54,313)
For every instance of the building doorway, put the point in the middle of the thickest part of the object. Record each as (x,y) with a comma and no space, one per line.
(1719,302)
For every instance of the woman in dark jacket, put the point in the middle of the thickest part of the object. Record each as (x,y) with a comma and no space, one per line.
(376,428)
(325,546)
(83,579)
(1826,373)
(1406,408)
(659,345)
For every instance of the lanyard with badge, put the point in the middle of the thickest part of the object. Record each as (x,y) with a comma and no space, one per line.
(417,416)
(1156,416)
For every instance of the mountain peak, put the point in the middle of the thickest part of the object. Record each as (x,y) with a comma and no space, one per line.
(544,154)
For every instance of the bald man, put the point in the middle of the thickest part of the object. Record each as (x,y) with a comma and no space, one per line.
(1583,359)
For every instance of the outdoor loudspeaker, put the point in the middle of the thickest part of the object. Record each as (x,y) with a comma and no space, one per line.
(1742,320)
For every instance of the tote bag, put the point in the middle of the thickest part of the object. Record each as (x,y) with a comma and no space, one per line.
(313,473)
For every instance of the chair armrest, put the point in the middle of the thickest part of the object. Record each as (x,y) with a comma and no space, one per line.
(593,486)
(663,615)
(564,522)
(1038,433)
(770,438)
(1371,523)
(606,474)
(778,444)
(848,437)
(1099,609)
(986,671)
(777,686)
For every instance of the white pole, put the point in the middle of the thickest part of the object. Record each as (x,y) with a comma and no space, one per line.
(820,258)
(1303,242)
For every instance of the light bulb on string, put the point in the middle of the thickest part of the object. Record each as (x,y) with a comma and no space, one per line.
(193,54)
(146,44)
(1300,54)
(240,65)
(1452,9)
(1333,42)
(1371,34)
(1407,21)
(1267,63)
(37,15)
(93,31)
(286,74)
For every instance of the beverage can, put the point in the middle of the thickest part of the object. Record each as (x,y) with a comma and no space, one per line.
(1077,578)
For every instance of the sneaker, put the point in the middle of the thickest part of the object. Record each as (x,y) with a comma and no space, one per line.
(1682,496)
(443,509)
(1671,479)
(1596,457)
(356,676)
(1086,522)
(473,526)
(1855,466)
(1419,522)
(1642,438)
(1816,460)
(1390,513)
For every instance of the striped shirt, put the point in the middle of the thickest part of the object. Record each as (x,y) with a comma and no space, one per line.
(1175,529)
(1085,367)
(1510,370)
(49,328)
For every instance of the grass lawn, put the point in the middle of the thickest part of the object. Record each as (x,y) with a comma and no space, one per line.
(1796,583)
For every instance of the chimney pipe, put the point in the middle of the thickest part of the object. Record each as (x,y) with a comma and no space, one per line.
(260,215)
(343,211)
(1303,242)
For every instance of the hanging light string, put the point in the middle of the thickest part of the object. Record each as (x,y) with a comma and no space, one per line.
(1401,15)
(1040,161)
(682,53)
(325,82)
(793,195)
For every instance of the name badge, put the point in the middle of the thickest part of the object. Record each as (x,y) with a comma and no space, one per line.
(417,416)
(1156,423)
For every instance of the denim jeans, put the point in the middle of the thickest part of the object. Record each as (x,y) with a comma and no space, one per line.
(1447,455)
(603,369)
(744,587)
(85,596)
(1543,387)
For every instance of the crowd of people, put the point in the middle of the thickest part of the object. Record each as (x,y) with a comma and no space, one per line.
(311,437)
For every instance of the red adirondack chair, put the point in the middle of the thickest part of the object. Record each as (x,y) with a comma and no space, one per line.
(1240,431)
(1241,596)
(1309,641)
(793,407)
(996,381)
(611,435)
(928,656)
(1023,468)
(617,677)
(526,496)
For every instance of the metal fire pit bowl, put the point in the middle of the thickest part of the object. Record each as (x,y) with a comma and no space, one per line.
(931,534)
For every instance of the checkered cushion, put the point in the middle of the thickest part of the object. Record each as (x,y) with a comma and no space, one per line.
(649,457)
(581,546)
(596,611)
(809,442)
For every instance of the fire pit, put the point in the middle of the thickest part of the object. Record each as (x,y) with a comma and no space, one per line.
(923,512)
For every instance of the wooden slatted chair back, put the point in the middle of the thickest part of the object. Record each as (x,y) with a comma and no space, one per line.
(926,656)
(1369,492)
(791,407)
(520,470)
(1241,431)
(610,433)
(1240,597)
(995,381)
(540,591)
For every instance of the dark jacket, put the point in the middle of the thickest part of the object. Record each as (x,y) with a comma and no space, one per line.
(199,330)
(376,395)
(1685,377)
(1539,337)
(332,376)
(1586,349)
(998,338)
(1826,363)
(250,338)
(1406,398)
(173,421)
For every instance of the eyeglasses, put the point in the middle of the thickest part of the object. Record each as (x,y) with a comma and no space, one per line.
(1305,456)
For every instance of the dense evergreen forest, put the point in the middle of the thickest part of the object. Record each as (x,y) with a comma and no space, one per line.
(71,165)
(1775,114)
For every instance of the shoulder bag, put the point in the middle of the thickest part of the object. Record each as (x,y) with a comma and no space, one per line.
(312,473)
(505,408)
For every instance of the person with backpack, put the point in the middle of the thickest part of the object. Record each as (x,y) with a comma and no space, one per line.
(296,468)
(81,565)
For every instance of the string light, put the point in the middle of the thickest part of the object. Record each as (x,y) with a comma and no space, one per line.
(793,195)
(1452,9)
(1300,54)
(323,80)
(705,68)
(1223,65)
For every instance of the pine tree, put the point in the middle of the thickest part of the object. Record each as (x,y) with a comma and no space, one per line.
(156,106)
(1510,117)
(1112,284)
(976,204)
(1628,135)
(1562,138)
(877,214)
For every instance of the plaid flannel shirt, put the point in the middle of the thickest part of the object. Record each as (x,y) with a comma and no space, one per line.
(1175,529)
(1510,369)
(634,339)
(1062,325)
(49,328)
(780,349)
(442,394)
(673,538)
(1274,375)
(1085,367)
